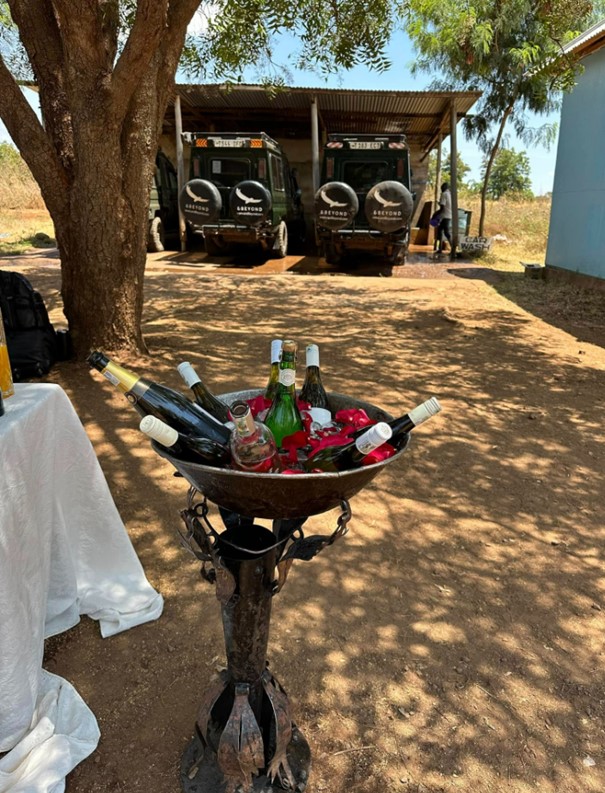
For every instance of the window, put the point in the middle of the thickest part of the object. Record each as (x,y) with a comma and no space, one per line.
(364,175)
(226,172)
(277,173)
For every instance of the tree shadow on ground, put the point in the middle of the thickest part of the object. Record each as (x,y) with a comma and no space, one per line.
(454,639)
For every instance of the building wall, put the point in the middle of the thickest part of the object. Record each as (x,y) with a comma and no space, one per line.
(576,239)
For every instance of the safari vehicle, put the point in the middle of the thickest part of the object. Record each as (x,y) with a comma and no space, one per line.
(364,202)
(241,191)
(163,205)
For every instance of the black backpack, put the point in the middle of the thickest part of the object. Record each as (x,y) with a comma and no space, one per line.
(30,337)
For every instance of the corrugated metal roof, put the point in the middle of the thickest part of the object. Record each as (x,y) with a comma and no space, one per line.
(418,114)
(589,41)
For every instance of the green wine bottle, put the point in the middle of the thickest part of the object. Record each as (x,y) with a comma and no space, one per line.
(203,396)
(349,455)
(283,418)
(185,447)
(271,388)
(152,399)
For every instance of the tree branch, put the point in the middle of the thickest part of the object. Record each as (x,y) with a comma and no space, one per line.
(40,36)
(145,37)
(25,129)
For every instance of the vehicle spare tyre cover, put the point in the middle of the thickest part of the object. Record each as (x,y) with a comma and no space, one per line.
(200,202)
(388,206)
(336,204)
(250,203)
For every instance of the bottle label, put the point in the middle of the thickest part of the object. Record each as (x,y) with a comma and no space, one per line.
(366,444)
(111,377)
(287,377)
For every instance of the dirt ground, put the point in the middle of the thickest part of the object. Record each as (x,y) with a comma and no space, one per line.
(454,640)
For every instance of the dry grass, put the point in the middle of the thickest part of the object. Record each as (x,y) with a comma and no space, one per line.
(18,190)
(524,223)
(19,230)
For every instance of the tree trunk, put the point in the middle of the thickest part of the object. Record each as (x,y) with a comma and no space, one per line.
(94,155)
(490,162)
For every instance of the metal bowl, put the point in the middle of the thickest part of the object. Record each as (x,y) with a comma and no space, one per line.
(279,495)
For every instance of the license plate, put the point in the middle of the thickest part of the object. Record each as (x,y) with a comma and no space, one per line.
(373,144)
(236,143)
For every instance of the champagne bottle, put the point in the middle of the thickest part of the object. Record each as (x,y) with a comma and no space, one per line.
(6,376)
(185,447)
(252,444)
(271,388)
(153,399)
(283,417)
(406,423)
(204,398)
(350,455)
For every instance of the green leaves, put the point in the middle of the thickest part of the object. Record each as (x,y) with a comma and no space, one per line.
(331,34)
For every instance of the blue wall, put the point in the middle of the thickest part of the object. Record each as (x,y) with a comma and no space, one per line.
(576,238)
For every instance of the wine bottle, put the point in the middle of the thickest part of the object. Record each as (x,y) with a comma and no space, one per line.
(153,399)
(185,447)
(271,388)
(313,390)
(283,418)
(406,423)
(204,398)
(350,455)
(252,444)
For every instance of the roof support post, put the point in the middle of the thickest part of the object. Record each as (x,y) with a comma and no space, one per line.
(180,168)
(437,179)
(454,177)
(315,144)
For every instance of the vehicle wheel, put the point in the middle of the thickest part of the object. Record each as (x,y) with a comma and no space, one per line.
(332,255)
(155,240)
(214,247)
(280,246)
(396,258)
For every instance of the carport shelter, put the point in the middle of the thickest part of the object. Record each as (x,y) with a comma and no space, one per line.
(301,118)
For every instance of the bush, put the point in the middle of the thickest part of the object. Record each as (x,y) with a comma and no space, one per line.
(18,190)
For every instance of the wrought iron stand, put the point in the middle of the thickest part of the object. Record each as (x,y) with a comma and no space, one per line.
(245,737)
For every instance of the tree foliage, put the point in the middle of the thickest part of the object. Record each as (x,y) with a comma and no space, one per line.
(462,171)
(510,50)
(511,175)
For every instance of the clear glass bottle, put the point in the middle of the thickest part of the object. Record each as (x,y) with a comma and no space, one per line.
(273,382)
(185,447)
(252,444)
(154,399)
(283,418)
(350,455)
(203,396)
(6,376)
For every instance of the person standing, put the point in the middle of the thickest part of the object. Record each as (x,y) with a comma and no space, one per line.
(445,224)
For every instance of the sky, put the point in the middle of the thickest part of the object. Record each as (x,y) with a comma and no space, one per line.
(398,78)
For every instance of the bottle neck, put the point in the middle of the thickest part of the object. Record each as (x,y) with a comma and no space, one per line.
(245,425)
(120,377)
(287,372)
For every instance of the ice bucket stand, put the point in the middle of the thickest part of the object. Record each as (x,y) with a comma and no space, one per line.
(245,737)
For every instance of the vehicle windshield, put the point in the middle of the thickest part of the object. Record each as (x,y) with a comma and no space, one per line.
(365,174)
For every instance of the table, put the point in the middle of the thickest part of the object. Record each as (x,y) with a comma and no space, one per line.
(64,551)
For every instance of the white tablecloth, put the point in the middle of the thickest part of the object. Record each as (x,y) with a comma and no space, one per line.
(64,552)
